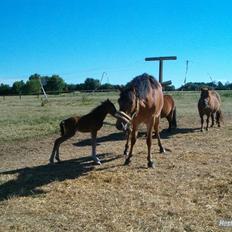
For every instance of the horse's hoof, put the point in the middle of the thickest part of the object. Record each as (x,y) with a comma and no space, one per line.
(125,153)
(150,164)
(51,161)
(58,159)
(97,161)
(162,150)
(127,162)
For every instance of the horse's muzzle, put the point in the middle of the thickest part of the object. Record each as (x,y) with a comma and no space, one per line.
(123,120)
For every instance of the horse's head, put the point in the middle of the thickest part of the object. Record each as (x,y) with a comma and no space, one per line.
(204,93)
(127,106)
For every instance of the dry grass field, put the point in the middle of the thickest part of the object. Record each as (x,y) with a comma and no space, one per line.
(190,189)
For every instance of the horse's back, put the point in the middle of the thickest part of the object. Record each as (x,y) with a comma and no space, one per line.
(215,101)
(216,94)
(168,105)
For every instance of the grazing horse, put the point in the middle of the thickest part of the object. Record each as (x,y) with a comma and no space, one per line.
(141,102)
(209,105)
(91,122)
(169,111)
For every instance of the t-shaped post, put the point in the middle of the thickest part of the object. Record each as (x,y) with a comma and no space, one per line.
(161,59)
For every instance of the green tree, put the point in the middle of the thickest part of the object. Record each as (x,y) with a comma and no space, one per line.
(55,83)
(5,89)
(17,87)
(32,87)
(220,85)
(35,76)
(92,84)
(107,86)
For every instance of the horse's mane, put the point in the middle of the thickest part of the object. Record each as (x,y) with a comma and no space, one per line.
(216,95)
(99,107)
(142,83)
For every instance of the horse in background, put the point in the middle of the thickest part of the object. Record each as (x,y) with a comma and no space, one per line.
(169,111)
(91,122)
(209,104)
(141,102)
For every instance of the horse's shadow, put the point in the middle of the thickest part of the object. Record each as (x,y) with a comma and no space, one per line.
(30,179)
(117,136)
(166,134)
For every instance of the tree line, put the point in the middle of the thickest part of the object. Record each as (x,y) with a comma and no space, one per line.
(52,85)
(55,84)
(194,86)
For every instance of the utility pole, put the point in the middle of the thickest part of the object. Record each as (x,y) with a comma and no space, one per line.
(41,85)
(161,59)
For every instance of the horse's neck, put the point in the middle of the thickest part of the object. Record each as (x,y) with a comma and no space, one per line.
(101,113)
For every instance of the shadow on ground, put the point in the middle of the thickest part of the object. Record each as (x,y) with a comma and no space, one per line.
(118,136)
(166,134)
(30,179)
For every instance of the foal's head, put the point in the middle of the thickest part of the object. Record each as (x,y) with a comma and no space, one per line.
(109,106)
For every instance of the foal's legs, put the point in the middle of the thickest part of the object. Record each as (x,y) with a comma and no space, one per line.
(94,155)
(55,151)
(156,128)
(133,138)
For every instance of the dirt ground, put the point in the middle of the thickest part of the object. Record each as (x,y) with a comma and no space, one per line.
(190,188)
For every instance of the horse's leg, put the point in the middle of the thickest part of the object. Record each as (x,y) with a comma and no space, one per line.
(218,117)
(127,143)
(156,128)
(202,122)
(212,118)
(149,142)
(169,118)
(55,151)
(133,138)
(94,140)
(207,122)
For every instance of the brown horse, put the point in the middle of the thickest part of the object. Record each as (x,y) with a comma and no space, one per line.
(91,122)
(169,111)
(209,105)
(142,102)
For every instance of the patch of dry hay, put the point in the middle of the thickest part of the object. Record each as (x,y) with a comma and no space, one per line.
(190,188)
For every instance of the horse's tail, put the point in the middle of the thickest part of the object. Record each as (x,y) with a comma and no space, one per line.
(219,116)
(174,124)
(62,128)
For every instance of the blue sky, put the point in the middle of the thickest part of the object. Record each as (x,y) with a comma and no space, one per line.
(84,38)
